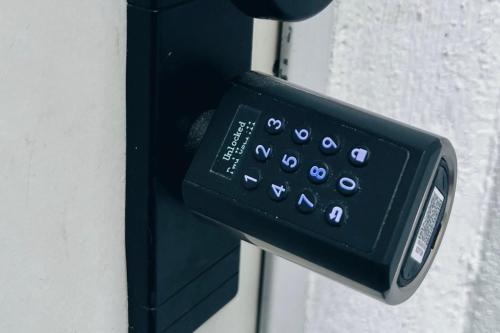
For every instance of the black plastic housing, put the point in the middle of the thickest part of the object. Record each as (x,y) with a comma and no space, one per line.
(285,10)
(368,254)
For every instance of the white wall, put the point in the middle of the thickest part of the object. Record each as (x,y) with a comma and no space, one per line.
(433,64)
(62,170)
(62,164)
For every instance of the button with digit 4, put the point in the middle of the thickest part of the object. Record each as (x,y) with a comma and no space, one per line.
(347,186)
(335,215)
(306,202)
(329,145)
(290,161)
(278,191)
(251,179)
(301,135)
(275,125)
(318,173)
(262,152)
(359,156)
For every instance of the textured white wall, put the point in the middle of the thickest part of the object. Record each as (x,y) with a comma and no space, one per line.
(62,164)
(436,65)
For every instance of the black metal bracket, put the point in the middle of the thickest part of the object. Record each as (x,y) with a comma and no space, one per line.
(181,54)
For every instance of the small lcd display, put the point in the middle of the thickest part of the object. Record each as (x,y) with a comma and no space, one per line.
(236,142)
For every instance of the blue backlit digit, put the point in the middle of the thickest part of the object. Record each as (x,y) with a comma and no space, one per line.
(274,126)
(301,135)
(329,145)
(290,162)
(262,153)
(318,174)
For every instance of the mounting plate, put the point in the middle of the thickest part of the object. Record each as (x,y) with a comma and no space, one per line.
(181,55)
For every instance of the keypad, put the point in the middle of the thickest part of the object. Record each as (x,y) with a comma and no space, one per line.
(296,171)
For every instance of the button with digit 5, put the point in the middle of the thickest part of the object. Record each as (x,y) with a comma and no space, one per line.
(290,161)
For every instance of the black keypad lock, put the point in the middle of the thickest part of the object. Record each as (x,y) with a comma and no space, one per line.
(357,197)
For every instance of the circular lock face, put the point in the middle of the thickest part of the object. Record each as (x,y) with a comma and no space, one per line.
(284,10)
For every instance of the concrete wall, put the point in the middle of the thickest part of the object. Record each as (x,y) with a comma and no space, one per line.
(433,64)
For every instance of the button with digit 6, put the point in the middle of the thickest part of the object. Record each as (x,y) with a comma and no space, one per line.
(301,135)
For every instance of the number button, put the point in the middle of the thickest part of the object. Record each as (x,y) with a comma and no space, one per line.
(251,179)
(347,186)
(335,215)
(318,173)
(359,156)
(306,202)
(301,135)
(278,192)
(329,145)
(262,153)
(275,125)
(290,161)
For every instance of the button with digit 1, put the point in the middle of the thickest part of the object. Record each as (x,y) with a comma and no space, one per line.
(251,179)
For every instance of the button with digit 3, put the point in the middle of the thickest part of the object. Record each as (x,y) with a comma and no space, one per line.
(318,173)
(301,135)
(290,161)
(275,125)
